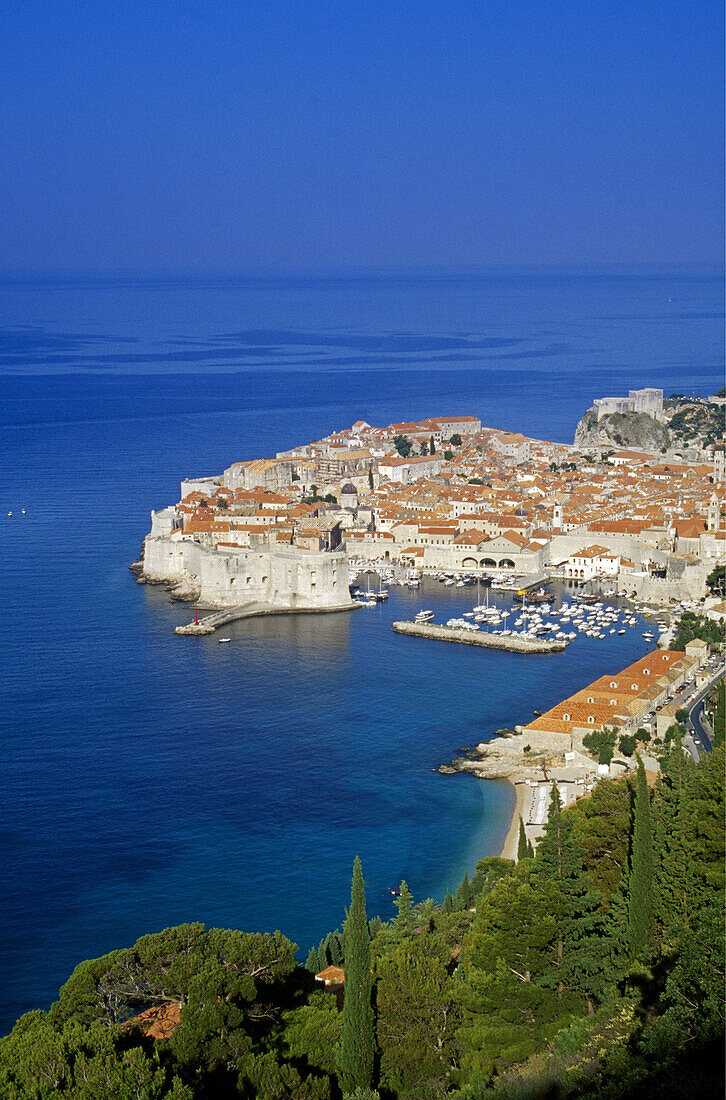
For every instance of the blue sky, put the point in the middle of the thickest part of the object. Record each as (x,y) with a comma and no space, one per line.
(302,135)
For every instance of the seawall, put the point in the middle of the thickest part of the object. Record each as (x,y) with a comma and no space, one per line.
(510,642)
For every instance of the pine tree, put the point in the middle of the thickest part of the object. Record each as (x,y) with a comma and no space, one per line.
(507,1009)
(357,1049)
(403,904)
(311,963)
(641,899)
(577,957)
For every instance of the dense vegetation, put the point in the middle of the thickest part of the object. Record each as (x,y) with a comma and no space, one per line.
(592,968)
(692,626)
(693,420)
(716,581)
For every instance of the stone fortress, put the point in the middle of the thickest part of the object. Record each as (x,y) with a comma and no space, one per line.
(648,401)
(284,578)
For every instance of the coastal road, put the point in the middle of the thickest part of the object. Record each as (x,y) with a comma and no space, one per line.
(698,740)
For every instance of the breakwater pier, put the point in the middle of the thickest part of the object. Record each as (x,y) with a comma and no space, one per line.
(511,642)
(210,622)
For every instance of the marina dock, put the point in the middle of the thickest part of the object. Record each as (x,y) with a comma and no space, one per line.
(512,642)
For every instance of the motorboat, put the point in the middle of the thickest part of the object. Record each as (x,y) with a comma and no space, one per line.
(424,617)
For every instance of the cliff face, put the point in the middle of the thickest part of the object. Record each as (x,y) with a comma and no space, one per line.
(690,426)
(633,431)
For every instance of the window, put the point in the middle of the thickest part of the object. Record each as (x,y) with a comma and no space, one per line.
(590,720)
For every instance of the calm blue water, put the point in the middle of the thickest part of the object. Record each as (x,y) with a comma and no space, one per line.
(149,779)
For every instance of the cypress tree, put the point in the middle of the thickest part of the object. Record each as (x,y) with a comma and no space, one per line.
(523,846)
(403,904)
(311,963)
(674,834)
(448,905)
(462,897)
(641,899)
(334,948)
(357,1043)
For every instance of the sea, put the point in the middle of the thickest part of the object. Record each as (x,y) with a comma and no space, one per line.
(149,779)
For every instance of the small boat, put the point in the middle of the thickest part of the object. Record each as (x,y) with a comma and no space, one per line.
(424,617)
(221,641)
(22,511)
(10,513)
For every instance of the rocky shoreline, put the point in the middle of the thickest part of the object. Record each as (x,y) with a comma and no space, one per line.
(505,757)
(182,590)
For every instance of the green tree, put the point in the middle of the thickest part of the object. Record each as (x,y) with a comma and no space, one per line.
(312,1032)
(627,744)
(448,455)
(488,873)
(455,440)
(601,743)
(507,1012)
(601,826)
(417,1019)
(463,896)
(402,445)
(357,1049)
(334,948)
(403,904)
(674,841)
(524,846)
(370,480)
(716,581)
(424,448)
(432,446)
(641,896)
(576,963)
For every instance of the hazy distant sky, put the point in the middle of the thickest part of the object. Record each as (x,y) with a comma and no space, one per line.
(307,134)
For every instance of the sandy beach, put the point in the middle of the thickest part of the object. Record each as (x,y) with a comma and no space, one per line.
(509,848)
